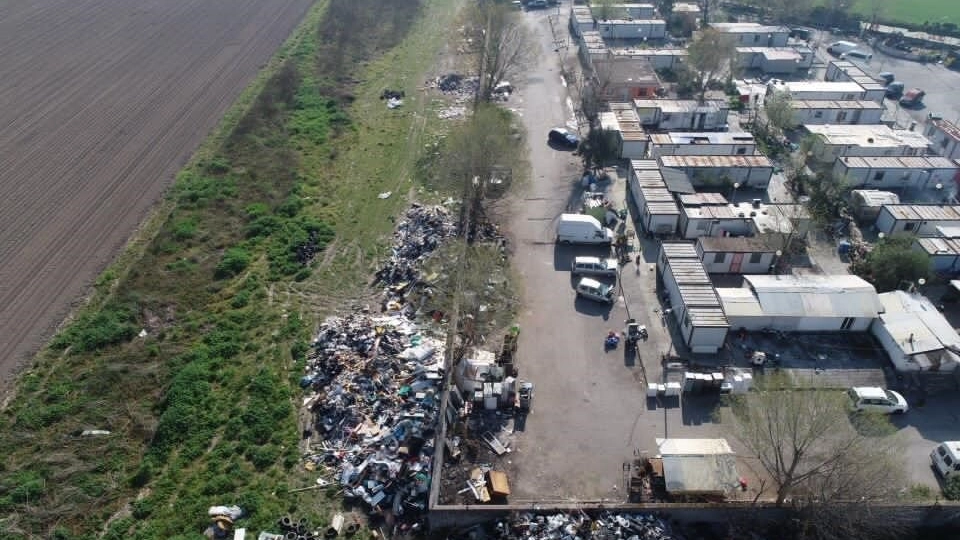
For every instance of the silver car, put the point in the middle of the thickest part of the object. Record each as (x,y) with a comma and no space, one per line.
(593,266)
(594,290)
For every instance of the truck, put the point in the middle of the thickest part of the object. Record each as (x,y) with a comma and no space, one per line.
(912,98)
(582,229)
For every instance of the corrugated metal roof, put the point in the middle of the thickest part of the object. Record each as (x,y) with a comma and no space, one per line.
(679,250)
(840,87)
(698,295)
(688,272)
(663,208)
(707,317)
(904,162)
(748,28)
(933,212)
(679,105)
(712,212)
(815,296)
(650,179)
(734,244)
(915,323)
(656,194)
(947,127)
(684,162)
(939,246)
(714,474)
(644,165)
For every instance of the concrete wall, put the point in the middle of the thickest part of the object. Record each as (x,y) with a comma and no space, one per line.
(743,266)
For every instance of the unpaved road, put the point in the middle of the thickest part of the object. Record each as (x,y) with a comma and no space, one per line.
(101,102)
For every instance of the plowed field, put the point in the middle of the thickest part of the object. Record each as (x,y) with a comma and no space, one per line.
(101,102)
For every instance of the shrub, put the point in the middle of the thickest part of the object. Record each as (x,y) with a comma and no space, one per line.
(111,325)
(235,260)
(951,489)
(185,229)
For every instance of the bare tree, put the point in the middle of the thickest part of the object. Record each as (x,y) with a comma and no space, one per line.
(711,54)
(813,449)
(876,9)
(604,10)
(503,45)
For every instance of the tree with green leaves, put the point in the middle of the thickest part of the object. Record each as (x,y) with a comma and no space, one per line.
(598,148)
(665,8)
(778,109)
(892,262)
(710,55)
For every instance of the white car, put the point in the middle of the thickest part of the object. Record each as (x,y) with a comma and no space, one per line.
(594,290)
(595,266)
(876,399)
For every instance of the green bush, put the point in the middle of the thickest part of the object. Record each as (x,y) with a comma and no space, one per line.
(110,325)
(235,260)
(262,457)
(951,489)
(185,229)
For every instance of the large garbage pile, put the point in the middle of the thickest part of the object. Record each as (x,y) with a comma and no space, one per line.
(580,526)
(418,234)
(373,386)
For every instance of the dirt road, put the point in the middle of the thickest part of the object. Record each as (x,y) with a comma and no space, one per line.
(101,102)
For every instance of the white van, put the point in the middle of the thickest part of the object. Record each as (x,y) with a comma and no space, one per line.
(839,47)
(582,229)
(946,458)
(594,290)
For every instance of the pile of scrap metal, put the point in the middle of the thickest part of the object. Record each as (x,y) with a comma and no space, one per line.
(373,390)
(417,235)
(608,525)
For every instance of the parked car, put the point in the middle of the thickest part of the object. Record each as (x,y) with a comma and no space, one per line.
(563,137)
(886,76)
(537,4)
(946,458)
(856,53)
(912,98)
(594,266)
(839,47)
(894,90)
(876,399)
(594,290)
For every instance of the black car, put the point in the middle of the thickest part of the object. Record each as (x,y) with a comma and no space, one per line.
(563,137)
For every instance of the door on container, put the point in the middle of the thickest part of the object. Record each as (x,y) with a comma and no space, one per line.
(735,263)
(701,119)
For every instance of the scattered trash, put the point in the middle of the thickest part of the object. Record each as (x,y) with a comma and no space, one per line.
(417,235)
(143,333)
(223,520)
(385,195)
(94,433)
(394,103)
(291,529)
(392,94)
(374,398)
(607,525)
(456,111)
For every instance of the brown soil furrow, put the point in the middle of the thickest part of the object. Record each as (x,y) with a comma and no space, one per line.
(101,102)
